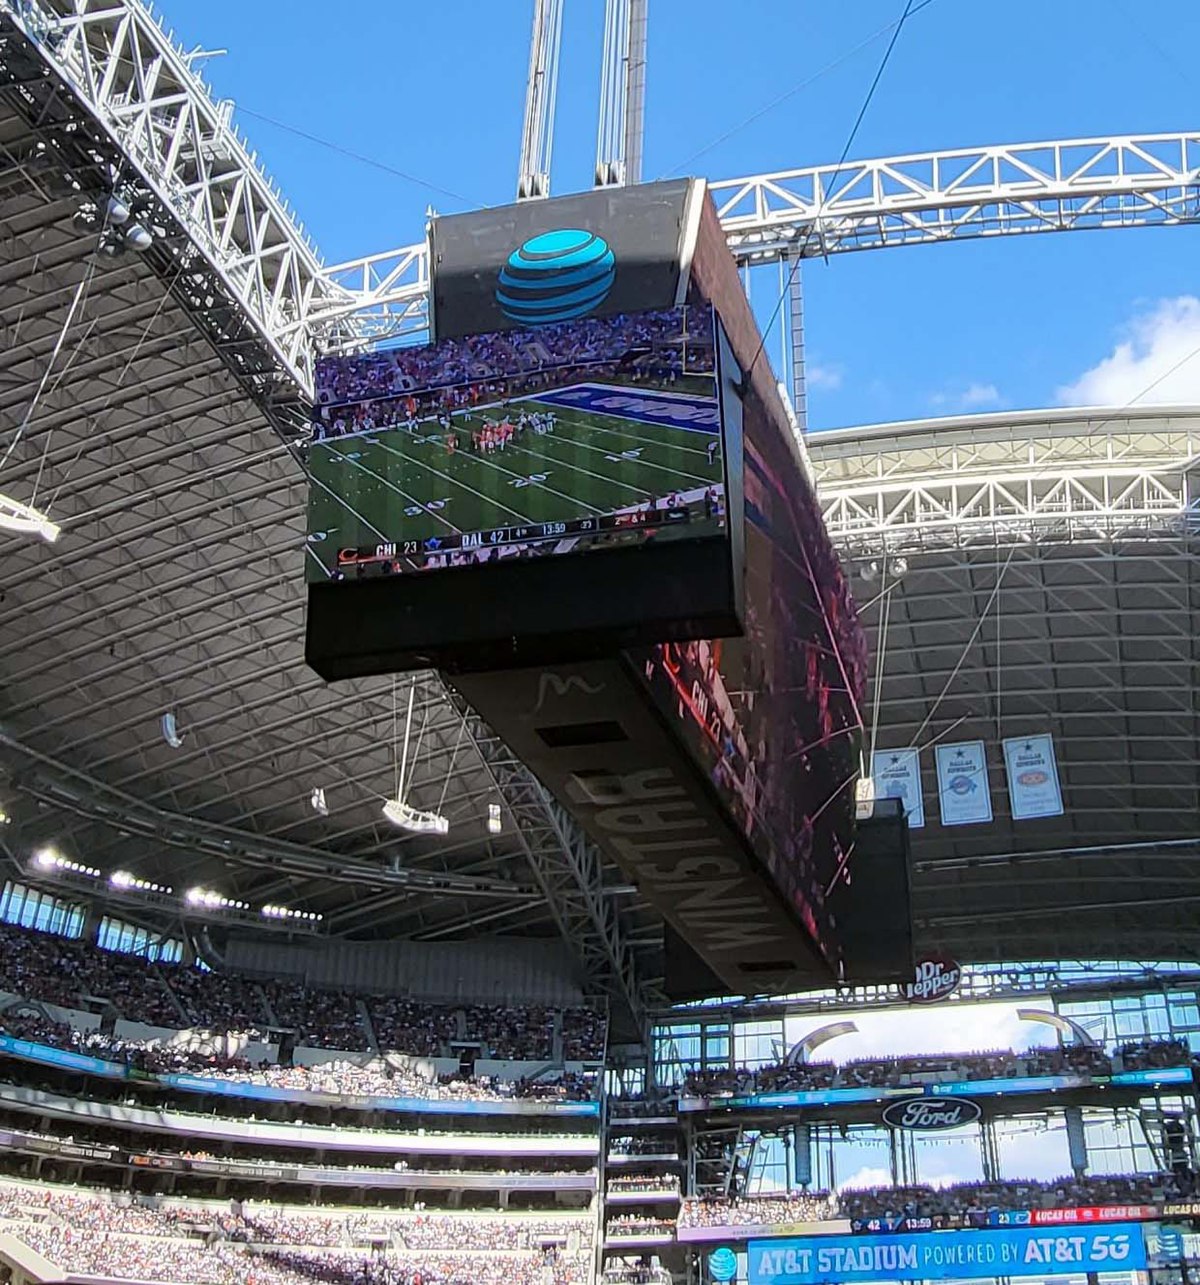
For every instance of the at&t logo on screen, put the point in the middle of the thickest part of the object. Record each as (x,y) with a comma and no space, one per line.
(556,276)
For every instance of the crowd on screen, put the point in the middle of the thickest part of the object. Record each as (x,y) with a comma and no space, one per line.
(895,1072)
(491,362)
(58,970)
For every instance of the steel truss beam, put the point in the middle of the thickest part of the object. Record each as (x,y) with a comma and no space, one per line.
(930,197)
(72,790)
(182,151)
(569,871)
(996,479)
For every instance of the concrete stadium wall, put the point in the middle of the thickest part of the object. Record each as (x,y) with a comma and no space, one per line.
(496,970)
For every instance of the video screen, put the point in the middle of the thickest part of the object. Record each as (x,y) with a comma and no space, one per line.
(562,438)
(773,717)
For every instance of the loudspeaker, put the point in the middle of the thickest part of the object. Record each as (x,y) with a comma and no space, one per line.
(873,910)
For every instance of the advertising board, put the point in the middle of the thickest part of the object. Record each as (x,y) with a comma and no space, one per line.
(953,1255)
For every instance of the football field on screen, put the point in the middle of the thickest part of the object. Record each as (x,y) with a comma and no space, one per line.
(392,485)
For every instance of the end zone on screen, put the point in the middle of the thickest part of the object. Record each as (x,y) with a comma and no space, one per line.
(644,406)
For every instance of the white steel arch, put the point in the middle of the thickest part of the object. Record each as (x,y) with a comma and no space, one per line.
(996,479)
(929,197)
(142,88)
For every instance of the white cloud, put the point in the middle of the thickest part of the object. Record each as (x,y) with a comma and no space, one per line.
(975,396)
(866,1178)
(1157,360)
(826,378)
(1029,1151)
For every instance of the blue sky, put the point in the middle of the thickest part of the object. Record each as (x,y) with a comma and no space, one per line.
(436,92)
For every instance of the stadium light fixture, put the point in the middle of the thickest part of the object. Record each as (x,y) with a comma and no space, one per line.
(23,519)
(131,882)
(170,730)
(494,823)
(286,912)
(4,817)
(210,900)
(397,811)
(51,859)
(412,819)
(318,802)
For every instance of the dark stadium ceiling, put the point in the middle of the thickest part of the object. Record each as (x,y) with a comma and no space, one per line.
(177,587)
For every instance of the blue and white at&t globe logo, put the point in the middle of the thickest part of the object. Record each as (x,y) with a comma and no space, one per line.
(556,276)
(722,1264)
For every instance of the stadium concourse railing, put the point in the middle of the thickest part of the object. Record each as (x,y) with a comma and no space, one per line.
(1152,1078)
(66,1059)
(205,1128)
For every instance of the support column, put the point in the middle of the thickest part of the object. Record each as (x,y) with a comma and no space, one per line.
(799,384)
(1076,1140)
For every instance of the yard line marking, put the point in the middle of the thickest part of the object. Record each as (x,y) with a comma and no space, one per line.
(633,437)
(446,477)
(402,494)
(541,486)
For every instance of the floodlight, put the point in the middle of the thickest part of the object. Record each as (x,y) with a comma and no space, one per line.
(318,802)
(417,822)
(49,858)
(213,900)
(4,817)
(118,211)
(170,731)
(134,883)
(494,824)
(286,912)
(138,237)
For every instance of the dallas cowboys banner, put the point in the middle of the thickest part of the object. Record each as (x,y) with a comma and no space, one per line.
(1033,788)
(963,792)
(897,775)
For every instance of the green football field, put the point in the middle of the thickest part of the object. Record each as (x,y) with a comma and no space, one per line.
(391,485)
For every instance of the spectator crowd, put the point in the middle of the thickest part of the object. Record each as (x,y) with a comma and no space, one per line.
(896,1072)
(961,1201)
(75,974)
(379,1076)
(125,1238)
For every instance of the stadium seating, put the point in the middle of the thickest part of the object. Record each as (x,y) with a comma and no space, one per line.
(130,1238)
(64,972)
(895,1072)
(952,1201)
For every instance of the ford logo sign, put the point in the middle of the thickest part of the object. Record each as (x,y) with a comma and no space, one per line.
(556,276)
(929,1114)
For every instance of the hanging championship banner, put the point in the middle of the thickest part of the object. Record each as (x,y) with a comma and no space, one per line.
(897,775)
(963,792)
(1033,788)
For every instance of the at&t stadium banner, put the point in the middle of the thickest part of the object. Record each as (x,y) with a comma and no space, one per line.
(953,1255)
